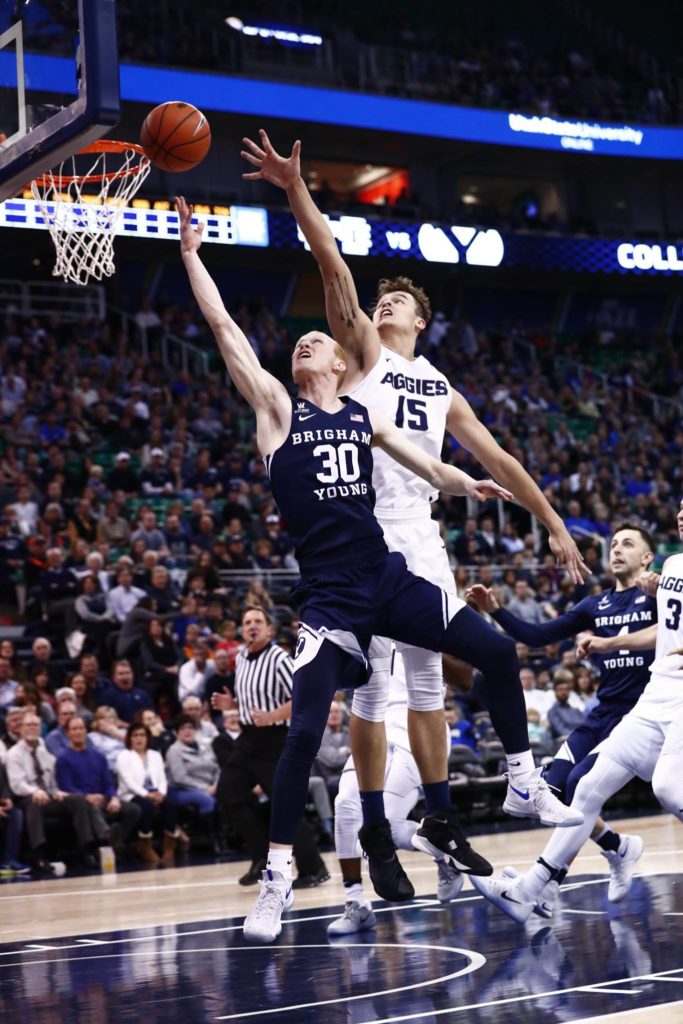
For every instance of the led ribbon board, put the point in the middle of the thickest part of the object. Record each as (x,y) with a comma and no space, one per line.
(234,95)
(361,237)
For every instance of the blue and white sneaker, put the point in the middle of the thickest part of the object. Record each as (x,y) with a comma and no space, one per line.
(622,865)
(507,894)
(449,881)
(537,801)
(263,922)
(546,902)
(358,916)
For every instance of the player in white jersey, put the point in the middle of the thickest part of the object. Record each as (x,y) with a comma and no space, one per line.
(401,793)
(648,743)
(382,370)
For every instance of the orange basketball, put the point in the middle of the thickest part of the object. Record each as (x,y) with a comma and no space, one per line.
(175,136)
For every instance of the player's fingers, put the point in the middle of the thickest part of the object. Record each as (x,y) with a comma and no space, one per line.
(296,149)
(253,176)
(265,141)
(670,654)
(254,147)
(256,161)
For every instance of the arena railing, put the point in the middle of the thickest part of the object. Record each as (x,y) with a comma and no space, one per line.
(43,298)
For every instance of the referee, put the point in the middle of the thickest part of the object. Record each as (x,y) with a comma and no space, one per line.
(262,692)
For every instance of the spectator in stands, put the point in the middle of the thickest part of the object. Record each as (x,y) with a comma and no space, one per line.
(193,674)
(122,598)
(107,735)
(12,558)
(82,523)
(57,740)
(163,590)
(221,680)
(11,733)
(192,771)
(156,478)
(459,727)
(335,749)
(470,547)
(11,827)
(176,538)
(95,681)
(122,479)
(524,605)
(123,695)
(113,529)
(85,701)
(142,780)
(8,685)
(59,586)
(159,656)
(538,733)
(538,699)
(26,511)
(205,730)
(563,718)
(161,737)
(83,770)
(90,618)
(31,774)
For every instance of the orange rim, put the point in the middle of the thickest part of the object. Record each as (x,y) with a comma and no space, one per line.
(100,146)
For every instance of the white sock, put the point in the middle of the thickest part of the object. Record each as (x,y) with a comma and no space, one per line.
(521,766)
(536,879)
(354,892)
(281,860)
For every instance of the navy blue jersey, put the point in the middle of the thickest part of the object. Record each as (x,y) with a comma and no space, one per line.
(623,674)
(322,483)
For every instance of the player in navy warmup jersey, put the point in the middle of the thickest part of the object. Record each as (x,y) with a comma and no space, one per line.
(318,452)
(647,742)
(624,674)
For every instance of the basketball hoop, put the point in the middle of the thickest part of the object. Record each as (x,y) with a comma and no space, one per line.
(82,201)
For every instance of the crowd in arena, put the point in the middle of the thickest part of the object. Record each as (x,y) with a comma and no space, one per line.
(137,526)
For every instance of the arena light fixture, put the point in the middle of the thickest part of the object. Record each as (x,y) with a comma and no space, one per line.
(285,34)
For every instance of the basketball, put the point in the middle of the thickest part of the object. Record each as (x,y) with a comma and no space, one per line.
(175,136)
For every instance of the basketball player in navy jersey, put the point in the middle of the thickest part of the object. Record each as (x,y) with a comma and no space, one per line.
(318,452)
(383,374)
(622,609)
(647,742)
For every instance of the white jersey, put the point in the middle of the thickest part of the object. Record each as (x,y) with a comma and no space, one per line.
(669,628)
(416,397)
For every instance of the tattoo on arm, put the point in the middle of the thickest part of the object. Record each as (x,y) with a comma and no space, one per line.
(342,296)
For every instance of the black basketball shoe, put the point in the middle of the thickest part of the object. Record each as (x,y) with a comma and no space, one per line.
(440,836)
(388,877)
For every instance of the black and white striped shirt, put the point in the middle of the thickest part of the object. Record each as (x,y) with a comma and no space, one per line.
(262,680)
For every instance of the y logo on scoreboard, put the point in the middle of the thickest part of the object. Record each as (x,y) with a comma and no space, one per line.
(477,248)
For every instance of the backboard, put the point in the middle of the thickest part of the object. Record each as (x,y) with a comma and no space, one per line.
(59,83)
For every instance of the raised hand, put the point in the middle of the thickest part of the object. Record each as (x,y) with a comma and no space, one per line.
(483,598)
(481,490)
(648,583)
(588,645)
(563,546)
(190,237)
(278,170)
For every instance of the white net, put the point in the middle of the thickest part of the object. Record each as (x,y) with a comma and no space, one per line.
(82,202)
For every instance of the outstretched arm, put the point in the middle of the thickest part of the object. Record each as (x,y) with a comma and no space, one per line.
(532,634)
(642,640)
(474,436)
(441,476)
(264,393)
(349,324)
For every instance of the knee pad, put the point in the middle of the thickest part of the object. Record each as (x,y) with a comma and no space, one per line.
(667,789)
(424,679)
(303,742)
(370,701)
(348,818)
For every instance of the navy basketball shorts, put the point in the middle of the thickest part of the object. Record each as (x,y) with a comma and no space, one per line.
(350,606)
